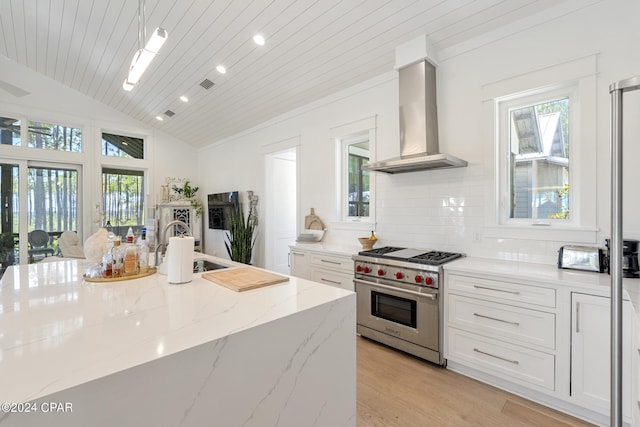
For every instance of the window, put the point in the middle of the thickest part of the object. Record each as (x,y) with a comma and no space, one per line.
(123,198)
(544,127)
(355,188)
(9,215)
(539,160)
(9,131)
(48,200)
(357,179)
(54,137)
(122,146)
(52,199)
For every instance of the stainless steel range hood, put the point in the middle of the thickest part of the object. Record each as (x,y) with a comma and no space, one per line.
(418,125)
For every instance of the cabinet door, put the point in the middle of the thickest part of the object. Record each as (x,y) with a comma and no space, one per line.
(590,352)
(331,277)
(298,265)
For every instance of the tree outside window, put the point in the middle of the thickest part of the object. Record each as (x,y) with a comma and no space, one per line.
(123,197)
(50,136)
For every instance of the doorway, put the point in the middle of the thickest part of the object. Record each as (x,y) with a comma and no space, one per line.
(281,208)
(36,196)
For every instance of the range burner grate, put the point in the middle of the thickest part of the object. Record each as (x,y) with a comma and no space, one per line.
(435,257)
(412,255)
(380,251)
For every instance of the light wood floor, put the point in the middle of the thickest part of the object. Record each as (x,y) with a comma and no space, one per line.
(395,389)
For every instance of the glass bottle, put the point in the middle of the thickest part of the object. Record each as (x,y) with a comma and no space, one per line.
(117,257)
(107,260)
(130,256)
(143,251)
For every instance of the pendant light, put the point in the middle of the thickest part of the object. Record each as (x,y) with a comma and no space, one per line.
(143,56)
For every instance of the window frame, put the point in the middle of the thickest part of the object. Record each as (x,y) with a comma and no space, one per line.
(60,123)
(342,163)
(123,135)
(142,172)
(582,74)
(504,105)
(338,136)
(346,142)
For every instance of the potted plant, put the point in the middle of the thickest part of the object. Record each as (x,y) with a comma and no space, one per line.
(189,192)
(7,247)
(240,236)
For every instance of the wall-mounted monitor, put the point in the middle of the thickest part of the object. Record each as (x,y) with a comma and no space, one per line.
(221,206)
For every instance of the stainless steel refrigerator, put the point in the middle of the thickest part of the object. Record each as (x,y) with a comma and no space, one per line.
(617,91)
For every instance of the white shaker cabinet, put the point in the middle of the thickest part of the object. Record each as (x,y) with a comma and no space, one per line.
(542,333)
(332,270)
(590,346)
(323,266)
(502,328)
(298,263)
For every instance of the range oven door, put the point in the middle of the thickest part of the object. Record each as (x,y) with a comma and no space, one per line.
(401,313)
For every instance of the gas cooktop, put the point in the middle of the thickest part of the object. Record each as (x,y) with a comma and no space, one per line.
(421,256)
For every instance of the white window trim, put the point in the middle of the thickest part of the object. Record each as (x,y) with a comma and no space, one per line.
(343,147)
(581,75)
(341,136)
(503,106)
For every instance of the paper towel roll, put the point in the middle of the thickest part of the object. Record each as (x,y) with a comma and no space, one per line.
(180,259)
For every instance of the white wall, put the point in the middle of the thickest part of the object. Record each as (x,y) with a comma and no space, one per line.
(238,162)
(49,100)
(445,209)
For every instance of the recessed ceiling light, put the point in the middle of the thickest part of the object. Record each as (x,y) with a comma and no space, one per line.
(184,99)
(258,39)
(221,69)
(159,118)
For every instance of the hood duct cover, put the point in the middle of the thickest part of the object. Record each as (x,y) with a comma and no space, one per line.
(418,125)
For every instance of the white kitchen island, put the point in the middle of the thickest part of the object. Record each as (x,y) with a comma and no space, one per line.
(146,353)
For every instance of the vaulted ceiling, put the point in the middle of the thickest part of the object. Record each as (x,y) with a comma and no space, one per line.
(313,48)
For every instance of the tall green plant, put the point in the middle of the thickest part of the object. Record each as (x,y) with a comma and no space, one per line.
(241,236)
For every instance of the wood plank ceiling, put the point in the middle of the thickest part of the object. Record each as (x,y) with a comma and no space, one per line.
(313,48)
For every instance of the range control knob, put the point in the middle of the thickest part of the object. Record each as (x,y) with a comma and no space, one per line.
(367,270)
(399,275)
(428,281)
(380,272)
(418,279)
(358,268)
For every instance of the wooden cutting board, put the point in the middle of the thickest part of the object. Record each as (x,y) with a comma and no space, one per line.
(313,222)
(244,278)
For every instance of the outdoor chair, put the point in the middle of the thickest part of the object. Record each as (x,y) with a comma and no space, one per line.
(39,243)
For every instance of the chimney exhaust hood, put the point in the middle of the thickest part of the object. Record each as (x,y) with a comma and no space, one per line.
(418,125)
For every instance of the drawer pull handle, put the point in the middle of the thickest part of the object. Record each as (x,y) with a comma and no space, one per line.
(330,262)
(330,281)
(515,362)
(497,290)
(496,319)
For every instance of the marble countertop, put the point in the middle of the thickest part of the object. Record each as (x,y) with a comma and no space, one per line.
(329,248)
(546,274)
(57,332)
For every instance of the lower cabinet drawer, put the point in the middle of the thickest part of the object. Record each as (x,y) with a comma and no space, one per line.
(328,277)
(515,324)
(332,262)
(495,290)
(520,365)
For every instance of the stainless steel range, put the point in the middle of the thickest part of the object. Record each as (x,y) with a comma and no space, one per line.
(399,300)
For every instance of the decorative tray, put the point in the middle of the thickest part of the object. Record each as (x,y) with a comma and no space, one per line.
(119,279)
